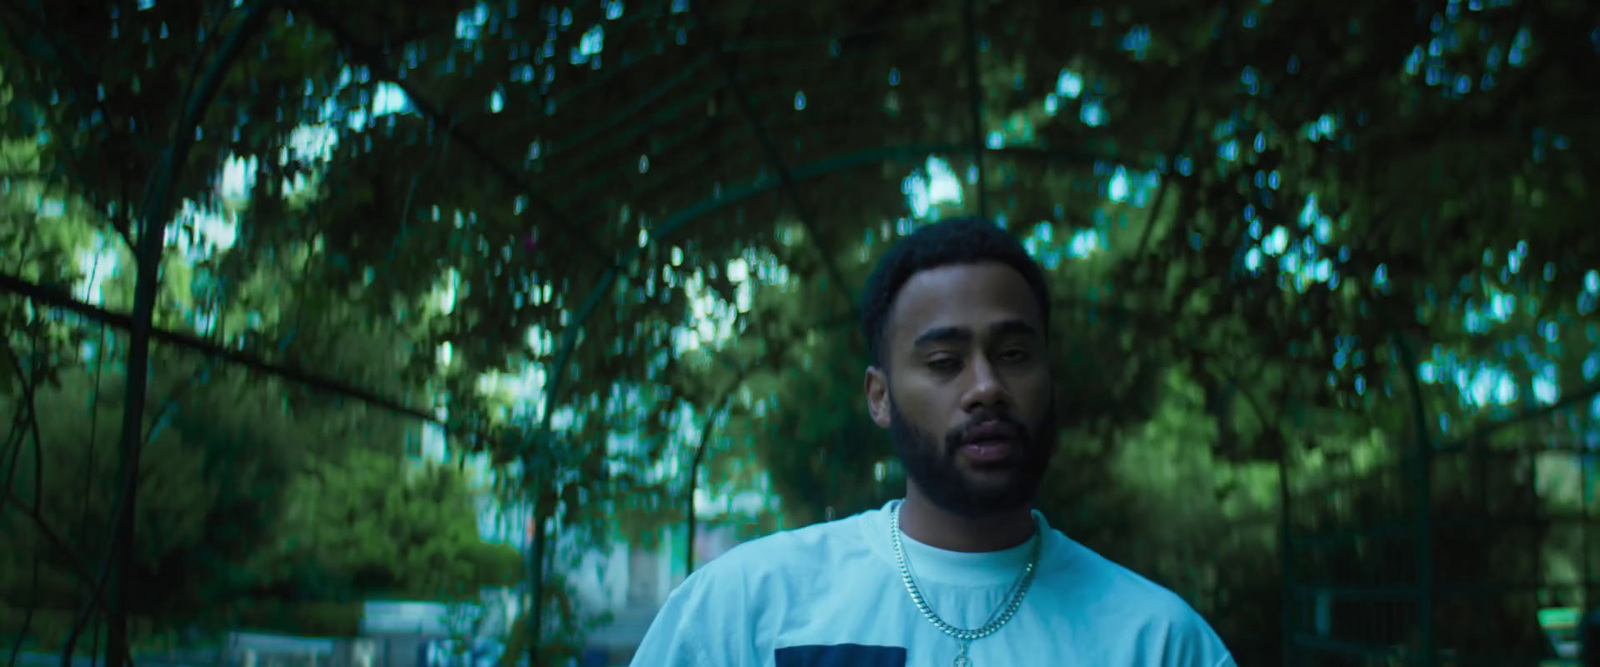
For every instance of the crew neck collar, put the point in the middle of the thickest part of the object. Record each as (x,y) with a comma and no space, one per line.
(958,568)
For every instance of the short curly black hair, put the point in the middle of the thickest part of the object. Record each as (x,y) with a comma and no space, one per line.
(969,240)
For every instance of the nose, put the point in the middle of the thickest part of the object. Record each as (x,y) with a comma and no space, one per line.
(987,391)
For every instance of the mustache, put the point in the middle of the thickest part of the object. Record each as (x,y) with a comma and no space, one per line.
(986,420)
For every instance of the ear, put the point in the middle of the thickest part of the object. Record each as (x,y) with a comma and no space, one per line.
(877,387)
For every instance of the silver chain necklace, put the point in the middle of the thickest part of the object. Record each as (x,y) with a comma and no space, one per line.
(996,620)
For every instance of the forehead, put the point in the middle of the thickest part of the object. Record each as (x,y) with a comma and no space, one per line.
(968,296)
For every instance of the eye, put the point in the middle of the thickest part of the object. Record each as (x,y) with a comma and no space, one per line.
(944,364)
(1014,356)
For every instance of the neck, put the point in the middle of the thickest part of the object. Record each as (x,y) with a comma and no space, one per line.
(929,524)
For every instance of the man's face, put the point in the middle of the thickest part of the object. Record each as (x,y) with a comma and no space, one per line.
(967,395)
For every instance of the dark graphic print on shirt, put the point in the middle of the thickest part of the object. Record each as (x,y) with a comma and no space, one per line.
(841,655)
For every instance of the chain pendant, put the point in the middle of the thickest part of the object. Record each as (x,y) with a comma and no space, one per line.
(961,658)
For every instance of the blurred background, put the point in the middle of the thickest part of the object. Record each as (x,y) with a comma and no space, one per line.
(438,333)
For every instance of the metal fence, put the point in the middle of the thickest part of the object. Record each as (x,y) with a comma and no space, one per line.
(1448,554)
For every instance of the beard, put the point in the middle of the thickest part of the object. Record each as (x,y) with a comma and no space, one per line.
(989,489)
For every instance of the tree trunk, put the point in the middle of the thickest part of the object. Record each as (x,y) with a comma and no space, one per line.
(147,255)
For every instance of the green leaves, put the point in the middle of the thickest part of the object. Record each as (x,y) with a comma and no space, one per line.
(569,195)
(417,538)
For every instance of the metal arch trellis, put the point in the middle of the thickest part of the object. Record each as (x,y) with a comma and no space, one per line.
(788,178)
(787,182)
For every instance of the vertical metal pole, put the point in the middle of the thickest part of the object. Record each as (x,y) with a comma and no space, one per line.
(1425,592)
(975,98)
(147,256)
(1286,558)
(1422,480)
(1581,452)
(1486,544)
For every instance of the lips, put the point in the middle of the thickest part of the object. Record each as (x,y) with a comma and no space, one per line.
(992,431)
(990,442)
(988,451)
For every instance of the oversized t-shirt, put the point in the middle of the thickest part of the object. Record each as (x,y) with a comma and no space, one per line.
(831,595)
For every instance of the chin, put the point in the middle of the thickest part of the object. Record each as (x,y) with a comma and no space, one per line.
(1008,466)
(992,481)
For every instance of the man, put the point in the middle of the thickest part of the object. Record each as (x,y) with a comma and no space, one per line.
(962,571)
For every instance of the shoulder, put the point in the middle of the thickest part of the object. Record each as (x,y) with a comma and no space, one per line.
(1140,611)
(794,555)
(718,614)
(1113,582)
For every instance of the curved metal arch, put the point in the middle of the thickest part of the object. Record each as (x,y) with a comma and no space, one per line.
(811,170)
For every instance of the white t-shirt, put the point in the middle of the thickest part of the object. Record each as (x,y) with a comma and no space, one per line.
(831,595)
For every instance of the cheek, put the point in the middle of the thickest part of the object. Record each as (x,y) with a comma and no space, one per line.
(922,409)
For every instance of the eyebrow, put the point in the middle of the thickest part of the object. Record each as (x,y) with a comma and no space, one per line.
(949,335)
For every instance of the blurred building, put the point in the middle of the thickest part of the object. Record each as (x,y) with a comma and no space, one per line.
(631,582)
(628,580)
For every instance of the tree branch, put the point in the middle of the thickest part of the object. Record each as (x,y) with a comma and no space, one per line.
(40,294)
(29,391)
(71,559)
